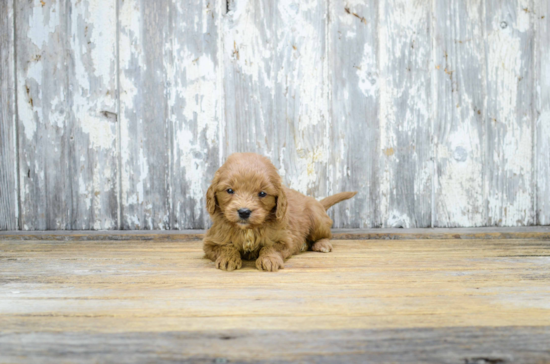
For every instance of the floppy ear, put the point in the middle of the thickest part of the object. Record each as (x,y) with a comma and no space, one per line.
(281,205)
(211,202)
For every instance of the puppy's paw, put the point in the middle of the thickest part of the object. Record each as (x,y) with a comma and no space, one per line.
(323,246)
(229,262)
(270,263)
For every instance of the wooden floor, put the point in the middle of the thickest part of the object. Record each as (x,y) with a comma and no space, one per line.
(369,301)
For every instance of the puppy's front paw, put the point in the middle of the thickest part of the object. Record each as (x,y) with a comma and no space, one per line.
(229,262)
(270,263)
(323,246)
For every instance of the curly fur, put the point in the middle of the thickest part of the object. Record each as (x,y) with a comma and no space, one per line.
(283,223)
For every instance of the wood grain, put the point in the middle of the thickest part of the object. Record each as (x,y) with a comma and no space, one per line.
(541,21)
(427,345)
(405,154)
(170,111)
(195,106)
(248,51)
(355,123)
(9,209)
(43,142)
(459,131)
(145,130)
(509,112)
(115,114)
(489,294)
(276,87)
(66,84)
(300,105)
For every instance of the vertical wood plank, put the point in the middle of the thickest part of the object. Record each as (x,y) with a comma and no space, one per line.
(170,111)
(406,167)
(276,89)
(300,106)
(459,94)
(43,110)
(9,212)
(381,113)
(66,75)
(144,120)
(94,104)
(509,162)
(541,20)
(249,52)
(194,92)
(355,145)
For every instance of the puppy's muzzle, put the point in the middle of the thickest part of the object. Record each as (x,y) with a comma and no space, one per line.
(244,213)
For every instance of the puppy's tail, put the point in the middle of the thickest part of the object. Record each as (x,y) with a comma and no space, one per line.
(334,199)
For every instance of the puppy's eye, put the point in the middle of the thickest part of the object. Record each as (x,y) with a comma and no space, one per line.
(262,194)
(230,191)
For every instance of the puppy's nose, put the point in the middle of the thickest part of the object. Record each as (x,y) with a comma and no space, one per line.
(244,213)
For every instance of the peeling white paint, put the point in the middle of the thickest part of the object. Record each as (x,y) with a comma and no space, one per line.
(100,132)
(367,72)
(510,124)
(397,219)
(460,181)
(276,55)
(523,11)
(133,177)
(303,74)
(404,114)
(503,66)
(194,169)
(43,22)
(306,164)
(26,114)
(243,42)
(518,148)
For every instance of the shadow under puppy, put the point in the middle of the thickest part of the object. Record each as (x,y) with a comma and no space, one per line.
(256,217)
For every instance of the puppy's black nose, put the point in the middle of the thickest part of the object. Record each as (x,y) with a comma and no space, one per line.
(244,213)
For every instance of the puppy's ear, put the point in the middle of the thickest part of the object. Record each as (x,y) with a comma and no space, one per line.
(211,201)
(281,205)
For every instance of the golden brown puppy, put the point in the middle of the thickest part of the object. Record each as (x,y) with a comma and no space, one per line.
(256,217)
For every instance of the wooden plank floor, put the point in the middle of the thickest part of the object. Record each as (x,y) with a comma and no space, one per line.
(376,301)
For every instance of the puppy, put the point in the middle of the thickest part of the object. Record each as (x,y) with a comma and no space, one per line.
(256,217)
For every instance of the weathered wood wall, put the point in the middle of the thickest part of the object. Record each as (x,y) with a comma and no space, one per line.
(115,114)
(9,191)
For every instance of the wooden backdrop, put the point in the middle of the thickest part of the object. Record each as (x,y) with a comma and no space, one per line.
(115,114)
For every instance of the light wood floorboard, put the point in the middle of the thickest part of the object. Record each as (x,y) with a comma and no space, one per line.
(448,300)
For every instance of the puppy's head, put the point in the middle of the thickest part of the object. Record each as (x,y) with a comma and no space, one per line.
(247,191)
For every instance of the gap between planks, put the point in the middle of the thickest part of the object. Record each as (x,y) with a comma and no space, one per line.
(534,232)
